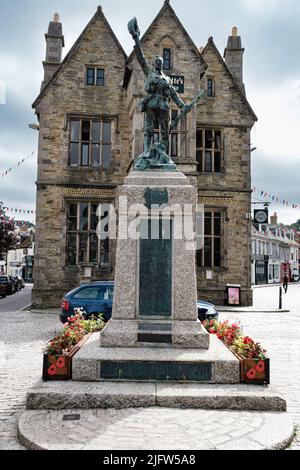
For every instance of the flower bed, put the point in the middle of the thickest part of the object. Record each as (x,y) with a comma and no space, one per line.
(254,364)
(58,354)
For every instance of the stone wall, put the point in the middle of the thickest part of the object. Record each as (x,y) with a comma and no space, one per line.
(229,191)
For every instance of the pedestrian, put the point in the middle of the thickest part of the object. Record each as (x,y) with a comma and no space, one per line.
(285,283)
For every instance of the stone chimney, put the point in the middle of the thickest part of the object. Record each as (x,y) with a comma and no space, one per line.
(274,219)
(233,56)
(55,43)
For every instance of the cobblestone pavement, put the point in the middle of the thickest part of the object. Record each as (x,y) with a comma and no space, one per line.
(23,335)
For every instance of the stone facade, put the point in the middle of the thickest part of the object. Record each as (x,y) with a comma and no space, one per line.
(66,95)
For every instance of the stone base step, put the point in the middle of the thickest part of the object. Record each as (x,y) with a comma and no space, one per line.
(82,395)
(154,429)
(156,364)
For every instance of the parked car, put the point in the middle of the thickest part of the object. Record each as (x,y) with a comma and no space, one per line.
(9,284)
(97,297)
(206,311)
(3,291)
(94,298)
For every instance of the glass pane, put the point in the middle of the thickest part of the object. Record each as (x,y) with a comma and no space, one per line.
(217,224)
(86,131)
(96,131)
(90,76)
(88,293)
(71,248)
(95,220)
(199,139)
(74,154)
(85,155)
(174,114)
(218,140)
(199,160)
(167,59)
(84,216)
(93,248)
(75,130)
(174,145)
(104,252)
(209,139)
(210,87)
(83,241)
(208,253)
(106,156)
(107,132)
(72,225)
(96,155)
(207,223)
(208,162)
(217,162)
(217,252)
(100,77)
(107,293)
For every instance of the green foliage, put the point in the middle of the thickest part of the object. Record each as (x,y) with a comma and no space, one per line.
(8,237)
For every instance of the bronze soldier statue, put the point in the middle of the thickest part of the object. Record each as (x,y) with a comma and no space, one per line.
(157,108)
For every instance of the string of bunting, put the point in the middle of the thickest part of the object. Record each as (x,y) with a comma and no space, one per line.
(7,172)
(18,211)
(275,199)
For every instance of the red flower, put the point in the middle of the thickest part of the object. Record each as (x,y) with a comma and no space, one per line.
(248,340)
(260,366)
(212,332)
(251,374)
(52,371)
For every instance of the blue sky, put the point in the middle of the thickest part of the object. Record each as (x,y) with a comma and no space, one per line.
(270,35)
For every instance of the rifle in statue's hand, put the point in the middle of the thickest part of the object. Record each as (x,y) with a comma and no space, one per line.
(187,109)
(133,28)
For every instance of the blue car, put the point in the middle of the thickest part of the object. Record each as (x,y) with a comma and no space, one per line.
(94,298)
(206,311)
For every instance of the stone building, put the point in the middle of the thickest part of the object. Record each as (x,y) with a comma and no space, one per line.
(91,128)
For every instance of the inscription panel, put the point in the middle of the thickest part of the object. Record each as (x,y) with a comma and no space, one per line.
(156,371)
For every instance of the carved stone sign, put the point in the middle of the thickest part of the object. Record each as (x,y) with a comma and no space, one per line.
(89,192)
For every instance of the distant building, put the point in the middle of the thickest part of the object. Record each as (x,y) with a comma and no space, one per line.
(275,253)
(91,129)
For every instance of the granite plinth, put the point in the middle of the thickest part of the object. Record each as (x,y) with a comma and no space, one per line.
(91,360)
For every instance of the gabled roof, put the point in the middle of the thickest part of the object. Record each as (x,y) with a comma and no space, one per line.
(211,44)
(167,7)
(98,15)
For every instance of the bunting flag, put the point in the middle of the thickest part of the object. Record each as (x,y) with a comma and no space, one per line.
(18,211)
(7,172)
(275,199)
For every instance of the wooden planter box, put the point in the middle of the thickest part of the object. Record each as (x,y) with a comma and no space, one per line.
(255,371)
(60,367)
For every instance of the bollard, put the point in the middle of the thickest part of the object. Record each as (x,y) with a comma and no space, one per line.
(280,298)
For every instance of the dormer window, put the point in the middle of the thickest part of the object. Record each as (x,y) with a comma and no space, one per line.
(167,56)
(95,76)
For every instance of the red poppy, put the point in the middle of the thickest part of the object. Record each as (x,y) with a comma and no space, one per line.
(261,366)
(251,374)
(60,363)
(52,371)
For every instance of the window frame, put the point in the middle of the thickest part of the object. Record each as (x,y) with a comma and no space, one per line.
(96,70)
(89,233)
(201,262)
(170,67)
(203,151)
(213,87)
(91,142)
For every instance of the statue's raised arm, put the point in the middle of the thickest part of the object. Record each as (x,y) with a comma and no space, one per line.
(134,30)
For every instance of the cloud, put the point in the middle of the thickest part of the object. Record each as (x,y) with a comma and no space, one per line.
(278,110)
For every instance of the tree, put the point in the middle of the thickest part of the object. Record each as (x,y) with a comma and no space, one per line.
(8,236)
